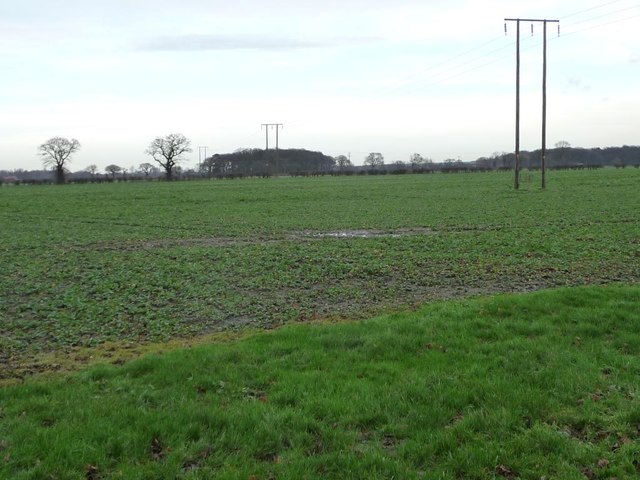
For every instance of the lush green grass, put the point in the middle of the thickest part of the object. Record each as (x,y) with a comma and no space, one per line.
(520,386)
(82,265)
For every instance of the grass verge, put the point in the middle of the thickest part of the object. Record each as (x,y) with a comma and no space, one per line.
(512,386)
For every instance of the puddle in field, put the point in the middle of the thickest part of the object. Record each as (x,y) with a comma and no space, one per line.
(362,233)
(302,236)
(354,234)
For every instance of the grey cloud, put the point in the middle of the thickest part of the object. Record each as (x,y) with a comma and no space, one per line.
(190,43)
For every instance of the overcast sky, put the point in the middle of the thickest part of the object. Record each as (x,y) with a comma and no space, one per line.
(344,77)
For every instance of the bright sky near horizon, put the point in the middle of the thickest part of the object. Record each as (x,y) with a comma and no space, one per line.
(344,77)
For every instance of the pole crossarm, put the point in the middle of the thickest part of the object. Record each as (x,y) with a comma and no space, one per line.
(529,20)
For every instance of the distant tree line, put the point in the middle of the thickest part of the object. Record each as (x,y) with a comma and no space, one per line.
(565,156)
(166,152)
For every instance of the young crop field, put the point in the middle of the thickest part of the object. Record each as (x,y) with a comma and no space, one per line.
(89,270)
(449,380)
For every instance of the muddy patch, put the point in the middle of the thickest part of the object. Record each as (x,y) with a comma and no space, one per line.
(225,242)
(360,233)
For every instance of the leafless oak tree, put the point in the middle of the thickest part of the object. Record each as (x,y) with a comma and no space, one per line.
(147,168)
(113,170)
(167,151)
(374,159)
(56,153)
(343,162)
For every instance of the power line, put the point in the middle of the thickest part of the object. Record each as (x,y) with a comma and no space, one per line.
(441,63)
(608,14)
(589,9)
(600,25)
(442,71)
(439,77)
(434,80)
(470,69)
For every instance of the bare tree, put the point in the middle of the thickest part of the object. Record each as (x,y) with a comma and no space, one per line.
(167,151)
(56,153)
(563,148)
(92,169)
(374,159)
(343,162)
(146,168)
(418,161)
(563,144)
(113,170)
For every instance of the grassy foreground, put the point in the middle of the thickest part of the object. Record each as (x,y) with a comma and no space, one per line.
(540,385)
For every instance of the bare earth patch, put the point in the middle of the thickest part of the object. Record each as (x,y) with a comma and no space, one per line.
(361,233)
(305,235)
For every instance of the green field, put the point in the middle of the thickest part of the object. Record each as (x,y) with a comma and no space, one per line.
(88,264)
(508,387)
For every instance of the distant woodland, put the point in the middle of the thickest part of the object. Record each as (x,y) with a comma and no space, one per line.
(256,162)
(567,157)
(300,162)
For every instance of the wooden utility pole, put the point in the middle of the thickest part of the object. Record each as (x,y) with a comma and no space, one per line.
(543,160)
(517,166)
(278,127)
(266,127)
(200,148)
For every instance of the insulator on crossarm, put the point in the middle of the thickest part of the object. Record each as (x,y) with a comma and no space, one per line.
(505,28)
(532,29)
